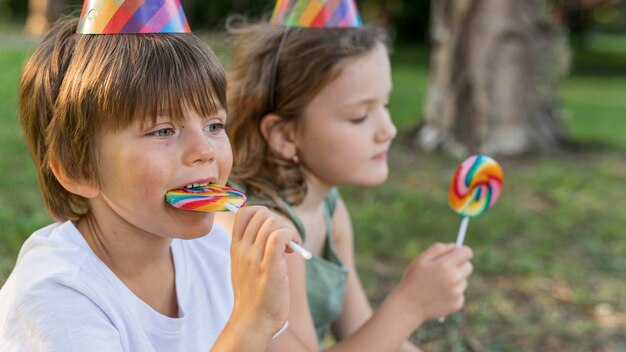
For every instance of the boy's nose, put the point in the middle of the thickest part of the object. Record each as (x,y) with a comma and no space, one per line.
(199,148)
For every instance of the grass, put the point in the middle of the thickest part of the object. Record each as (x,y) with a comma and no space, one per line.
(549,257)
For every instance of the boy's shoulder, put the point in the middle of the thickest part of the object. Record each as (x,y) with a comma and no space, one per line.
(52,260)
(57,250)
(46,286)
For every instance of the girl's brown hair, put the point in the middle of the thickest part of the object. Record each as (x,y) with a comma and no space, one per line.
(309,59)
(76,85)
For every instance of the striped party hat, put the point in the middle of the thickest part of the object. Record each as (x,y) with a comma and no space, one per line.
(316,13)
(132,16)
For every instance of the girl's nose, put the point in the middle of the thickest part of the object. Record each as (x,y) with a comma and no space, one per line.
(386,130)
(198,148)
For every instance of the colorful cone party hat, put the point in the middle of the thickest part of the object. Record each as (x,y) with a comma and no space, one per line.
(316,13)
(132,16)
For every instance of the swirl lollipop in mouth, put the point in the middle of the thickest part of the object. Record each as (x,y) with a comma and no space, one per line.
(475,188)
(209,198)
(214,198)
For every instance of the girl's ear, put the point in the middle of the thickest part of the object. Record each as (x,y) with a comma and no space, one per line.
(279,135)
(80,187)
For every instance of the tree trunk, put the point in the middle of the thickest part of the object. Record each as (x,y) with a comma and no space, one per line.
(41,14)
(492,89)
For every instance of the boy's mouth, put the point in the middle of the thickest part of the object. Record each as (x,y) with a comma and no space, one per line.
(196,185)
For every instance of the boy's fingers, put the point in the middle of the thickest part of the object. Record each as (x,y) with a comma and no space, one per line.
(275,247)
(264,231)
(254,226)
(242,218)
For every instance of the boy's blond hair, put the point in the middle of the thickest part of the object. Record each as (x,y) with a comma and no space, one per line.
(309,60)
(75,86)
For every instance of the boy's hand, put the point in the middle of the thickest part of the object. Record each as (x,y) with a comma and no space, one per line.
(433,285)
(259,270)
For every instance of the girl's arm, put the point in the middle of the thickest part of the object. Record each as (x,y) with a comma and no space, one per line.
(357,309)
(432,286)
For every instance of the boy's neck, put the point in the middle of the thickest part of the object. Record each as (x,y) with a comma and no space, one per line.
(144,264)
(123,248)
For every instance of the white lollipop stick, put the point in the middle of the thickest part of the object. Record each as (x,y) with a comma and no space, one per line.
(294,246)
(460,237)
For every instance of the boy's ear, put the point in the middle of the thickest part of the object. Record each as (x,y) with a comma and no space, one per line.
(279,134)
(80,187)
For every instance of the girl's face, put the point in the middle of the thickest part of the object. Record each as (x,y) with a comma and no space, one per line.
(141,163)
(346,131)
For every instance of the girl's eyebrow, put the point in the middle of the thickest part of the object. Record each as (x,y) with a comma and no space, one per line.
(364,101)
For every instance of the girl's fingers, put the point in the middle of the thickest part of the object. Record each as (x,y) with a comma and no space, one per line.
(458,255)
(466,269)
(437,250)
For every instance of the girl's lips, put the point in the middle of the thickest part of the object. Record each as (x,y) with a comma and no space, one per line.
(380,156)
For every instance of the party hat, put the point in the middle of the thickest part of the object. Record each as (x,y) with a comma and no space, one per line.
(132,16)
(316,13)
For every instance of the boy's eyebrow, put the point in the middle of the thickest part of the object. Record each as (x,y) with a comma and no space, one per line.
(221,113)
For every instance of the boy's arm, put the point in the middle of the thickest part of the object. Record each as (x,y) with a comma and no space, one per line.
(260,280)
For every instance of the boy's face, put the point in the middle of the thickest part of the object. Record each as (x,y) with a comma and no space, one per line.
(346,130)
(140,164)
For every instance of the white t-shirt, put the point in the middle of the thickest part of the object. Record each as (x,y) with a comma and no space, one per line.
(62,297)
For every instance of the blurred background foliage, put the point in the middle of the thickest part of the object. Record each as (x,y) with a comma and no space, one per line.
(549,258)
(407,18)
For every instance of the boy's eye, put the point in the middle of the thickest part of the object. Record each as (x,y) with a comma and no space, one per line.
(163,132)
(214,127)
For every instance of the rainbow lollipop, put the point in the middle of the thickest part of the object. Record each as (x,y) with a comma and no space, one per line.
(206,198)
(212,198)
(475,188)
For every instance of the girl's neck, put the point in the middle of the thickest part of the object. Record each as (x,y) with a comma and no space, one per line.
(316,191)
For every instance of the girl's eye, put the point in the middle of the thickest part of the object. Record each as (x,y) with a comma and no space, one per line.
(358,120)
(214,127)
(163,132)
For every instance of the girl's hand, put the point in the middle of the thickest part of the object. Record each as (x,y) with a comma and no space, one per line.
(259,270)
(433,285)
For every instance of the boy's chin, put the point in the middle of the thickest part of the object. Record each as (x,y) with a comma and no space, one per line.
(191,230)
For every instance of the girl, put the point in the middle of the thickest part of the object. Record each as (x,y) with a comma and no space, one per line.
(308,112)
(113,122)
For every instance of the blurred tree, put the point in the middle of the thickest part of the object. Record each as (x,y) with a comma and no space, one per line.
(492,89)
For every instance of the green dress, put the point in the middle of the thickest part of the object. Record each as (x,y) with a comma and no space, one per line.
(325,275)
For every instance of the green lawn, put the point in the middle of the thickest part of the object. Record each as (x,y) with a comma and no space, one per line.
(549,258)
